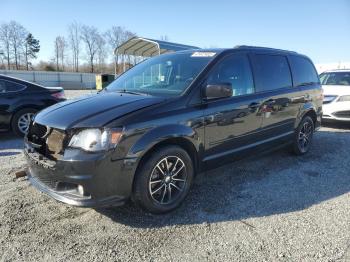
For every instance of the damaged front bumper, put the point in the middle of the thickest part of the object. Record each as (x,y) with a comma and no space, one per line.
(81,178)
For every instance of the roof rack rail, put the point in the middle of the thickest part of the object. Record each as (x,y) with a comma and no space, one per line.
(262,48)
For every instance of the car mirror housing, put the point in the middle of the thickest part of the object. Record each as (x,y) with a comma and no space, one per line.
(220,90)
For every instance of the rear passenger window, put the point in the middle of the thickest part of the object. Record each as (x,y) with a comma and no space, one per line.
(303,71)
(234,69)
(13,87)
(271,72)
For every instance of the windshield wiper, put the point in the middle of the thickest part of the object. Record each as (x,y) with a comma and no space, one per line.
(132,92)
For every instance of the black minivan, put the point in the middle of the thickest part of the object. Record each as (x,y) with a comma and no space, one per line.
(148,133)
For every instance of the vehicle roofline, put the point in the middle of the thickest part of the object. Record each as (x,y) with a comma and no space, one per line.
(20,80)
(242,47)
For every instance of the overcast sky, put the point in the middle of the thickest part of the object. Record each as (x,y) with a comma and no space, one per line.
(319,29)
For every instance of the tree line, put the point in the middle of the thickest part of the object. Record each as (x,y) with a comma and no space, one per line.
(17,46)
(83,49)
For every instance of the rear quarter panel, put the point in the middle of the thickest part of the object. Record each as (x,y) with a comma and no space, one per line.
(314,103)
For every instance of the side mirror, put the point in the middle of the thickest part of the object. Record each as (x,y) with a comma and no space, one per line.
(221,90)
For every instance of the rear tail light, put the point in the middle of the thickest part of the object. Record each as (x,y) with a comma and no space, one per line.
(59,95)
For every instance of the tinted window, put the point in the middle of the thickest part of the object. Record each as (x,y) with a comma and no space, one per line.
(335,78)
(271,72)
(12,86)
(234,69)
(303,71)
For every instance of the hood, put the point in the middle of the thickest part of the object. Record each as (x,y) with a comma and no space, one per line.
(336,90)
(93,110)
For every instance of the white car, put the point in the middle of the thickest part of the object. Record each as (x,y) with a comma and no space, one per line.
(336,91)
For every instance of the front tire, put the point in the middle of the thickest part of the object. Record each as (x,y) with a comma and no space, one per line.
(21,120)
(164,179)
(303,136)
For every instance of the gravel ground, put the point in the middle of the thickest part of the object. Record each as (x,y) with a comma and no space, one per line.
(273,207)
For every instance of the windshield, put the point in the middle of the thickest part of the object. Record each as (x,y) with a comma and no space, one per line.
(165,75)
(335,78)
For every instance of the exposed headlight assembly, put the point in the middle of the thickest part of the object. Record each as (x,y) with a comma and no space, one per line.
(328,99)
(95,139)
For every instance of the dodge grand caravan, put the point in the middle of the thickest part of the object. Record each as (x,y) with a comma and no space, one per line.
(148,133)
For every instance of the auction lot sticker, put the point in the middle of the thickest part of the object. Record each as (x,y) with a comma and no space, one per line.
(203,54)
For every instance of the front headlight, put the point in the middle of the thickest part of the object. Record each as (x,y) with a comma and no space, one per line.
(344,98)
(96,139)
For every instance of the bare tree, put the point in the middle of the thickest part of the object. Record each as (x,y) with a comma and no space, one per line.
(115,37)
(2,59)
(18,36)
(5,42)
(101,53)
(74,40)
(60,48)
(91,38)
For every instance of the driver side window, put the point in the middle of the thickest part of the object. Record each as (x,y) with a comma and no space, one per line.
(235,70)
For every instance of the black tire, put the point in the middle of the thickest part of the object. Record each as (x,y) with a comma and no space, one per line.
(15,125)
(303,136)
(150,177)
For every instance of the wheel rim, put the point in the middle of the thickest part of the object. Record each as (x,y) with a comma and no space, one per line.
(305,135)
(24,121)
(168,180)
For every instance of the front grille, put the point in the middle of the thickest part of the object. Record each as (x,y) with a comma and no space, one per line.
(47,141)
(342,114)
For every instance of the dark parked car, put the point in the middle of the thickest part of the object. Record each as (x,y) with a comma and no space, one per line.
(20,100)
(148,133)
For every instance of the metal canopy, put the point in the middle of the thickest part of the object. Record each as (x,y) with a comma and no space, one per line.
(145,47)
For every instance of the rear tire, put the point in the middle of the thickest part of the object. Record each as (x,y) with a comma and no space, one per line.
(303,136)
(164,179)
(21,120)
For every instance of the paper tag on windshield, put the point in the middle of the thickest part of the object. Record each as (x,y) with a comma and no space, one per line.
(203,54)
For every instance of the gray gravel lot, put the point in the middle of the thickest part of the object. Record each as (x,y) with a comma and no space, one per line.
(273,207)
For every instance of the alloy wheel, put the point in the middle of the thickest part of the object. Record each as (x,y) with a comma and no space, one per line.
(24,121)
(305,135)
(168,180)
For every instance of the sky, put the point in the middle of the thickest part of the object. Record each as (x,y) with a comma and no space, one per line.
(319,29)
